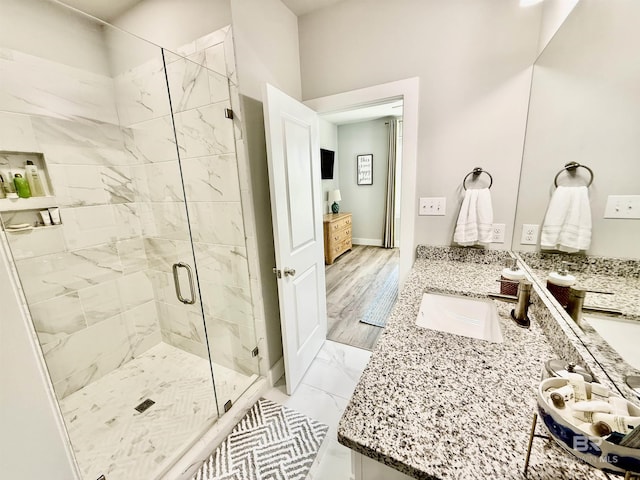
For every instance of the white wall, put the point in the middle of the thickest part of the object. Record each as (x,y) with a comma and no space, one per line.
(473,62)
(365,202)
(33,443)
(81,46)
(329,141)
(266,40)
(554,13)
(171,24)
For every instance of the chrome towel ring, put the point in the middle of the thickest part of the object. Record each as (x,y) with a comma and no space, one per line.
(475,172)
(571,168)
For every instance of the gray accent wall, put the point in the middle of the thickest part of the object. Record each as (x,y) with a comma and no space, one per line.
(365,202)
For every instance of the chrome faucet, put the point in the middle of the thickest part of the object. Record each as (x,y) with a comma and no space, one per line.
(522,301)
(575,305)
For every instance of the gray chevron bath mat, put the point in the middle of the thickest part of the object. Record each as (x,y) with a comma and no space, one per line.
(271,442)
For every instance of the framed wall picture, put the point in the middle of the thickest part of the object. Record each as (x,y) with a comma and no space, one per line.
(365,169)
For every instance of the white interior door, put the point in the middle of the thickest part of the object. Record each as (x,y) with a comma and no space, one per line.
(293,153)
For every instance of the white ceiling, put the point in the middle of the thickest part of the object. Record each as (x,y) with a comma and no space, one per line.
(105,10)
(302,7)
(363,114)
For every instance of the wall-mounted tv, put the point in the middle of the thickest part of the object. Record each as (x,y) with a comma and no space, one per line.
(327,158)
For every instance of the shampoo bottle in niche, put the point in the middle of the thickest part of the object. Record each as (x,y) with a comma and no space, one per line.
(558,284)
(512,274)
(34,179)
(22,186)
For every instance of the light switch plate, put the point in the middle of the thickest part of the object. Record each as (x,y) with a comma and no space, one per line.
(432,206)
(622,206)
(497,233)
(529,234)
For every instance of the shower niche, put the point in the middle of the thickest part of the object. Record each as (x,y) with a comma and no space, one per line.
(12,163)
(20,216)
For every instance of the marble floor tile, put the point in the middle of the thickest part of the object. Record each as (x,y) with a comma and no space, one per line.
(335,462)
(337,369)
(323,395)
(110,437)
(314,403)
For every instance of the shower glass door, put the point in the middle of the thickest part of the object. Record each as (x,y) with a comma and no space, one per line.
(206,131)
(134,265)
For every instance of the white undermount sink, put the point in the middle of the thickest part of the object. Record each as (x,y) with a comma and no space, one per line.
(620,334)
(469,317)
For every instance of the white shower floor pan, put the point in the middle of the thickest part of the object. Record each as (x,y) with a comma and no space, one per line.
(109,437)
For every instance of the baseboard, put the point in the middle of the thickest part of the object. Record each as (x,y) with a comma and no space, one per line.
(374,242)
(276,372)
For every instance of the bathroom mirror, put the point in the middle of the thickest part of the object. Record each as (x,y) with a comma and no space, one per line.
(585,108)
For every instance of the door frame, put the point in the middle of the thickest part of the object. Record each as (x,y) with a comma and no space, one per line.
(407,89)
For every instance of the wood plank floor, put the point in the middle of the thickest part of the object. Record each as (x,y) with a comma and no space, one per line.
(353,281)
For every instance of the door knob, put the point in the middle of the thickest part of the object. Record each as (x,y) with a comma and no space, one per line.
(289,272)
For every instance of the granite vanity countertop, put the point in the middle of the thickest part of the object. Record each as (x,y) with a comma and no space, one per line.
(626,291)
(436,405)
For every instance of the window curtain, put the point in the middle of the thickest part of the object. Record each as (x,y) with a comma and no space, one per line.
(389,237)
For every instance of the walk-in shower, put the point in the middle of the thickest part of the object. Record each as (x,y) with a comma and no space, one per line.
(140,297)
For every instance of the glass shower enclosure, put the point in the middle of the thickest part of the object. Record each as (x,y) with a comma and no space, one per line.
(134,264)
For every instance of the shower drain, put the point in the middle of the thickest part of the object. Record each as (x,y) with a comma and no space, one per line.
(144,405)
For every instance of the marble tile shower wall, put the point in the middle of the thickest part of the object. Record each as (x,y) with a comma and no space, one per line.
(86,284)
(200,93)
(99,287)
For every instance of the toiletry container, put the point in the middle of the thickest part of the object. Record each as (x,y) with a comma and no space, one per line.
(8,187)
(34,179)
(558,284)
(22,186)
(512,273)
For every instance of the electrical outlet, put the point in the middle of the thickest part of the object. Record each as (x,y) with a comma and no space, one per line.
(497,233)
(529,234)
(622,206)
(432,206)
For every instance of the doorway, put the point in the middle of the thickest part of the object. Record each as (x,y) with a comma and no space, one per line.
(406,90)
(362,275)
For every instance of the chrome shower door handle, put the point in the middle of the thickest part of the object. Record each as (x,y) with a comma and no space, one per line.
(176,283)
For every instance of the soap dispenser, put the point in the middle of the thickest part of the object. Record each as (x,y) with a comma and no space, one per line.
(513,274)
(22,186)
(558,283)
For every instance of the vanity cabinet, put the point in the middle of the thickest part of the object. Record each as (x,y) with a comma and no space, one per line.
(365,468)
(337,235)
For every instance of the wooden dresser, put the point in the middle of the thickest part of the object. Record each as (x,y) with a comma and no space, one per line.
(337,235)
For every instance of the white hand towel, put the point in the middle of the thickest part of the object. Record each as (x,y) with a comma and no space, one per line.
(567,224)
(475,220)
